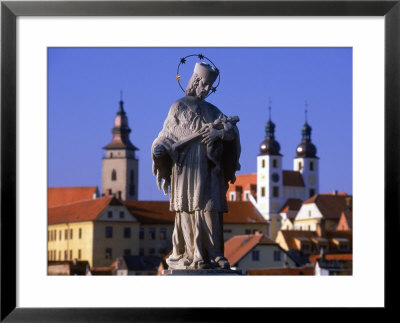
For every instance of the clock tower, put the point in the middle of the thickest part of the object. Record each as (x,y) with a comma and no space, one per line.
(306,161)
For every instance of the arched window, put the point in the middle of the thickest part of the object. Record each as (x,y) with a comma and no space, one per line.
(300,166)
(263,163)
(311,165)
(113,175)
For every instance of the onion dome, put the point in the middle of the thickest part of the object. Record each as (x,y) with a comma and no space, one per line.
(121,131)
(306,148)
(270,146)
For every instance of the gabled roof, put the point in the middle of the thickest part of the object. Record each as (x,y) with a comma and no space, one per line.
(88,210)
(157,212)
(291,205)
(239,246)
(292,178)
(331,206)
(64,195)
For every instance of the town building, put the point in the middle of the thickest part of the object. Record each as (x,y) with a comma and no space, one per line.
(256,251)
(96,230)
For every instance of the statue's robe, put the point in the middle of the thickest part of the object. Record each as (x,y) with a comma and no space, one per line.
(194,188)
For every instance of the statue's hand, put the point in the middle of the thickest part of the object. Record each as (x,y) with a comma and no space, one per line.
(159,151)
(212,136)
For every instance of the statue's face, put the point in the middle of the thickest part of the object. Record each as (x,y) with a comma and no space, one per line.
(202,89)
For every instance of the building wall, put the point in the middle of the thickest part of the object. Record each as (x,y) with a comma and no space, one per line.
(280,240)
(294,192)
(57,247)
(158,243)
(117,243)
(266,258)
(310,177)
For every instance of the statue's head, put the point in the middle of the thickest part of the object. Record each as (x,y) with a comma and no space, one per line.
(200,84)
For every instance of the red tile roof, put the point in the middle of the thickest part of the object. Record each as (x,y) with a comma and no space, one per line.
(64,195)
(339,256)
(291,205)
(290,237)
(331,206)
(292,178)
(244,180)
(307,271)
(88,210)
(157,212)
(239,246)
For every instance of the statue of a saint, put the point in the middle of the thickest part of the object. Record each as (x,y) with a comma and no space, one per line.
(196,154)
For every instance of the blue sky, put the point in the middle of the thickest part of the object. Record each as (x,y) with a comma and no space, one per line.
(84,86)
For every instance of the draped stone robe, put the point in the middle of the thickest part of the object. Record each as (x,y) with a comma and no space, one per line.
(188,172)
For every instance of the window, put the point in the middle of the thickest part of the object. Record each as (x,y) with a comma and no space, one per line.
(311,165)
(79,254)
(127,252)
(111,155)
(55,234)
(80,233)
(152,251)
(70,255)
(152,234)
(247,196)
(163,234)
(66,255)
(108,253)
(70,234)
(263,163)
(127,232)
(274,163)
(141,233)
(48,236)
(141,252)
(300,166)
(255,255)
(113,175)
(232,196)
(121,214)
(66,234)
(263,191)
(59,235)
(247,231)
(59,255)
(309,213)
(275,191)
(109,214)
(277,255)
(132,189)
(109,232)
(132,176)
(311,192)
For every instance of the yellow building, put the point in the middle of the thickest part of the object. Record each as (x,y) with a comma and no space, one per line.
(96,230)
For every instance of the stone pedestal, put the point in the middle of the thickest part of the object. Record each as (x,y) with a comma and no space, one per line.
(201,272)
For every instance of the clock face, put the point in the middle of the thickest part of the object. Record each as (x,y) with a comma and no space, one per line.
(311,179)
(275,177)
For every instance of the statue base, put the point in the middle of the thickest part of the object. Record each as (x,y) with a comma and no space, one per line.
(201,272)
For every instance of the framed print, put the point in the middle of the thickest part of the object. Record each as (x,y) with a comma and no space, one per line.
(33,31)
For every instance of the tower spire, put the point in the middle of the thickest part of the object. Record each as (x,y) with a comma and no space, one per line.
(306,110)
(269,109)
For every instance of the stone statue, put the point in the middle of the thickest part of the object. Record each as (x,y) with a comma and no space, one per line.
(196,154)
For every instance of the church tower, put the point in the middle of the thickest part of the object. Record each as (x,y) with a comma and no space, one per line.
(269,177)
(306,161)
(120,166)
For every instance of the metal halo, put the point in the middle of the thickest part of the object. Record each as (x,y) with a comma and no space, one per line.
(200,56)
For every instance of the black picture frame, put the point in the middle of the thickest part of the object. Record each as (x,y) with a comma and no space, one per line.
(10,10)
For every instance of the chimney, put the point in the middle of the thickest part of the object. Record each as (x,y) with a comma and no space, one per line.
(239,191)
(119,196)
(334,192)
